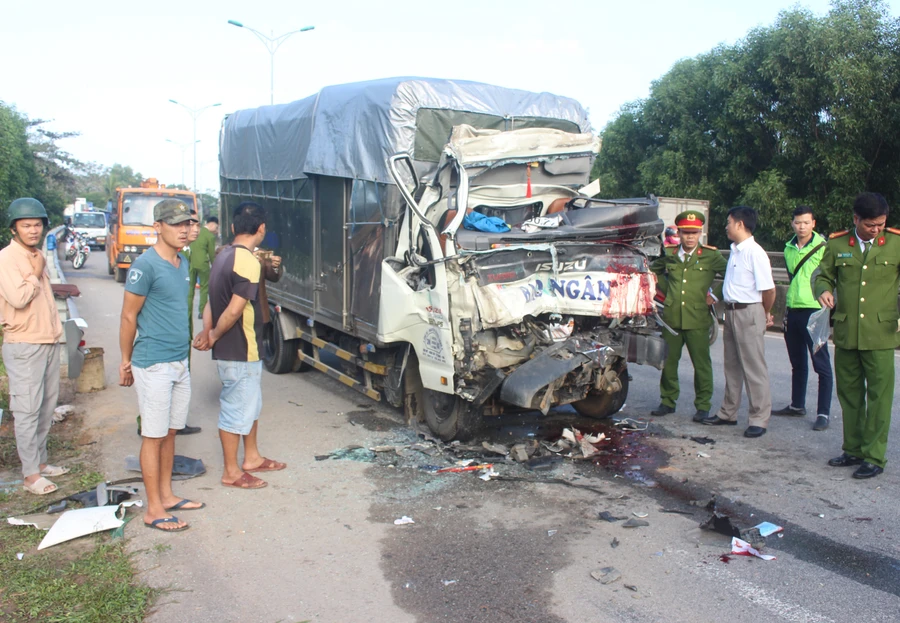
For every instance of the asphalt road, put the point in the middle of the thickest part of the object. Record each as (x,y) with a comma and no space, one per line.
(320,544)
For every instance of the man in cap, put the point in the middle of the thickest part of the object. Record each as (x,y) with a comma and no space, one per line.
(31,350)
(861,269)
(802,255)
(155,309)
(685,273)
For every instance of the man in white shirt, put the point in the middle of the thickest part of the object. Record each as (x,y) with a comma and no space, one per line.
(748,293)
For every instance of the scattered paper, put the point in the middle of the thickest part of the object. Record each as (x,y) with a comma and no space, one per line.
(20,555)
(740,547)
(766,528)
(488,474)
(403,520)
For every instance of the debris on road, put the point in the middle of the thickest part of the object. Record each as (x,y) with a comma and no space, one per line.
(495,448)
(739,547)
(448,582)
(183,468)
(702,455)
(77,523)
(614,543)
(635,523)
(766,528)
(632,424)
(542,463)
(551,532)
(631,587)
(675,511)
(639,514)
(607,516)
(702,440)
(606,575)
(464,468)
(518,453)
(62,412)
(403,521)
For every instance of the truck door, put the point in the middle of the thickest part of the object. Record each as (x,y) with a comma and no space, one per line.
(331,249)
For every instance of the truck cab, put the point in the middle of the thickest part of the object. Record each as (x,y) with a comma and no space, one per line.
(131,229)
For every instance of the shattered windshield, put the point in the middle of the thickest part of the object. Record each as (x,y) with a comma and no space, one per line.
(93,220)
(138,209)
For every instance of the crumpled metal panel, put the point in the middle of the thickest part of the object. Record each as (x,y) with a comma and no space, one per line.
(350,130)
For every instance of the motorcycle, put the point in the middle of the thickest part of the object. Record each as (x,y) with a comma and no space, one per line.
(77,249)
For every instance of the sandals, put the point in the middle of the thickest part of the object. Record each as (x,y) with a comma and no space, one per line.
(267,465)
(53,471)
(40,486)
(154,525)
(246,481)
(180,506)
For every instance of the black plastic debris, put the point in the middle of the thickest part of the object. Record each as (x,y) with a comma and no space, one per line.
(543,463)
(183,468)
(607,516)
(703,440)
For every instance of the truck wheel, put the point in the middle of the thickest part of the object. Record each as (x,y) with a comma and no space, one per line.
(449,416)
(600,404)
(280,355)
(120,275)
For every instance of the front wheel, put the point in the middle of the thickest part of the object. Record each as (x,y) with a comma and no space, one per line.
(602,404)
(78,260)
(449,416)
(120,275)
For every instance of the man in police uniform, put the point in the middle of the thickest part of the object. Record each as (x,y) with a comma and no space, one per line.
(859,278)
(685,273)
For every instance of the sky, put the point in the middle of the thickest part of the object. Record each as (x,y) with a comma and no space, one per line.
(108,69)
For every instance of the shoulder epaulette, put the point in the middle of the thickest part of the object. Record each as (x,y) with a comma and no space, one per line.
(838,234)
(893,230)
(709,246)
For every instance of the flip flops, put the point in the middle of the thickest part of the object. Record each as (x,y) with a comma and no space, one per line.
(154,525)
(39,486)
(267,465)
(53,471)
(246,481)
(180,506)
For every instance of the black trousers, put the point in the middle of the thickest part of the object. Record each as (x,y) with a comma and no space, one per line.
(799,347)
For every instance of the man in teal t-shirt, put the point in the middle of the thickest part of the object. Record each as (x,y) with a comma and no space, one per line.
(802,255)
(155,309)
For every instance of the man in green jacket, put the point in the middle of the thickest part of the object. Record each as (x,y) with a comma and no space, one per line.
(202,254)
(802,255)
(859,279)
(685,273)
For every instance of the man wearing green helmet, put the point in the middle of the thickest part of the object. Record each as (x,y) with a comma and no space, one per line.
(31,349)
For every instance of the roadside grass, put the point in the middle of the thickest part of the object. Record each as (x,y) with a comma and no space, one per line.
(86,580)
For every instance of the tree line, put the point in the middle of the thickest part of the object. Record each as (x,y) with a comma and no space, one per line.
(32,164)
(805,111)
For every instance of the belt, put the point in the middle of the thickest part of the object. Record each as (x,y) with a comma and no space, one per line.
(738,305)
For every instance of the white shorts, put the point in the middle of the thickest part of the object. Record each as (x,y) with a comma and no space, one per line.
(164,395)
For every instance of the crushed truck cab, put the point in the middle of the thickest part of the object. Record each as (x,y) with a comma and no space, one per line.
(372,191)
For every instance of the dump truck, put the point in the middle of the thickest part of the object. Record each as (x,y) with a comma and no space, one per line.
(371,190)
(131,222)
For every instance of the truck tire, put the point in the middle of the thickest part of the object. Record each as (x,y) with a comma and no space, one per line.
(599,404)
(449,416)
(120,275)
(280,355)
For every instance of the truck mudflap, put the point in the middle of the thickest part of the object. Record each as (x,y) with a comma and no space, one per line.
(553,364)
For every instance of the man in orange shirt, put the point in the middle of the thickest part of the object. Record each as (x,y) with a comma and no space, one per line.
(31,332)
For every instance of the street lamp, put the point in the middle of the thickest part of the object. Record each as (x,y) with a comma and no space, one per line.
(195,112)
(272,44)
(182,147)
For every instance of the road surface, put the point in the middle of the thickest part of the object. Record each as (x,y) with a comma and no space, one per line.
(320,543)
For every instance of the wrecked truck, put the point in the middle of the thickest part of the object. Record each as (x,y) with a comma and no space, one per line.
(370,191)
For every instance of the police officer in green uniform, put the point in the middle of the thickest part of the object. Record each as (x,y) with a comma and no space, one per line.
(859,279)
(685,273)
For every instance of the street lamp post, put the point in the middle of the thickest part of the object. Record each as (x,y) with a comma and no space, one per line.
(195,112)
(182,147)
(272,44)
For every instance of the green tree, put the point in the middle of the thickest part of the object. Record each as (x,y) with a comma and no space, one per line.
(804,111)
